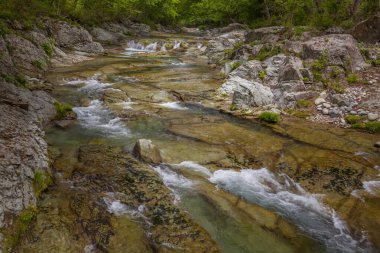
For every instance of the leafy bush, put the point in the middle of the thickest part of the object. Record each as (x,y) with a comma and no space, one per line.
(62,109)
(233,108)
(48,47)
(269,117)
(375,63)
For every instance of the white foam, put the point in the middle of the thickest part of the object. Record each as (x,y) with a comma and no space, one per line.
(126,105)
(195,167)
(292,202)
(372,187)
(138,47)
(98,117)
(89,248)
(171,178)
(174,105)
(177,44)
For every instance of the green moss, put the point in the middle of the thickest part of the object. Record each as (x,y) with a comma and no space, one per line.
(262,75)
(375,63)
(306,79)
(62,109)
(353,119)
(20,227)
(352,78)
(233,108)
(320,64)
(337,87)
(372,126)
(228,52)
(42,180)
(269,117)
(302,103)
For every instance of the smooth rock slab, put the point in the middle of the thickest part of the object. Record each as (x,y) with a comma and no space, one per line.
(144,150)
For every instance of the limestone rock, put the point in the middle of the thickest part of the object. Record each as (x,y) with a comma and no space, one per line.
(144,150)
(249,71)
(104,36)
(372,116)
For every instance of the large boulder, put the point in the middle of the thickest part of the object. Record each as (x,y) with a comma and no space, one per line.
(108,37)
(368,30)
(340,49)
(275,66)
(25,54)
(266,34)
(72,37)
(249,70)
(144,150)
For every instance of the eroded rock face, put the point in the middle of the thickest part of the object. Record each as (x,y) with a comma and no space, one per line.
(6,64)
(104,36)
(25,54)
(146,151)
(23,149)
(340,49)
(72,37)
(368,30)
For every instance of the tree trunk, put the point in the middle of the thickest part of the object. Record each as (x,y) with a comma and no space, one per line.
(267,12)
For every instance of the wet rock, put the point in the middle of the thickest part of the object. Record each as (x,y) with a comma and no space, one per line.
(377,144)
(372,116)
(104,36)
(341,50)
(115,96)
(368,30)
(144,150)
(63,123)
(266,34)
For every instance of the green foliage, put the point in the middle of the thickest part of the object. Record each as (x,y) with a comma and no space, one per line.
(320,64)
(38,64)
(269,117)
(41,182)
(19,228)
(267,52)
(262,75)
(235,65)
(48,47)
(353,119)
(337,87)
(372,126)
(375,63)
(233,107)
(302,103)
(352,78)
(62,109)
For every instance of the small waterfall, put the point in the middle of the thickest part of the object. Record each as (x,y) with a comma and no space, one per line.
(163,48)
(199,45)
(138,47)
(177,44)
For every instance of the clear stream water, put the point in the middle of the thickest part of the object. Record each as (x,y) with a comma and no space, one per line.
(246,207)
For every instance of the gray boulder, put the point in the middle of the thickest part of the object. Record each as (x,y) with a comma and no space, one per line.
(340,49)
(247,93)
(103,36)
(249,70)
(25,54)
(144,150)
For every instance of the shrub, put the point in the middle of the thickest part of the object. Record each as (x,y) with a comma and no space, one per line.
(375,63)
(267,52)
(269,117)
(38,64)
(41,182)
(320,64)
(233,108)
(62,109)
(48,47)
(352,78)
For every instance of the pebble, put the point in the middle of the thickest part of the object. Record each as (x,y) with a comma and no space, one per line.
(362,113)
(334,113)
(377,144)
(327,105)
(373,116)
(353,112)
(325,111)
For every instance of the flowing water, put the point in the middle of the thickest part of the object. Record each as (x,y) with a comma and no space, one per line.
(254,188)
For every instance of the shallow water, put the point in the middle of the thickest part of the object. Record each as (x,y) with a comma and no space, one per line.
(292,188)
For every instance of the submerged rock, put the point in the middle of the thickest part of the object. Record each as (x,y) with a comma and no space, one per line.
(145,151)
